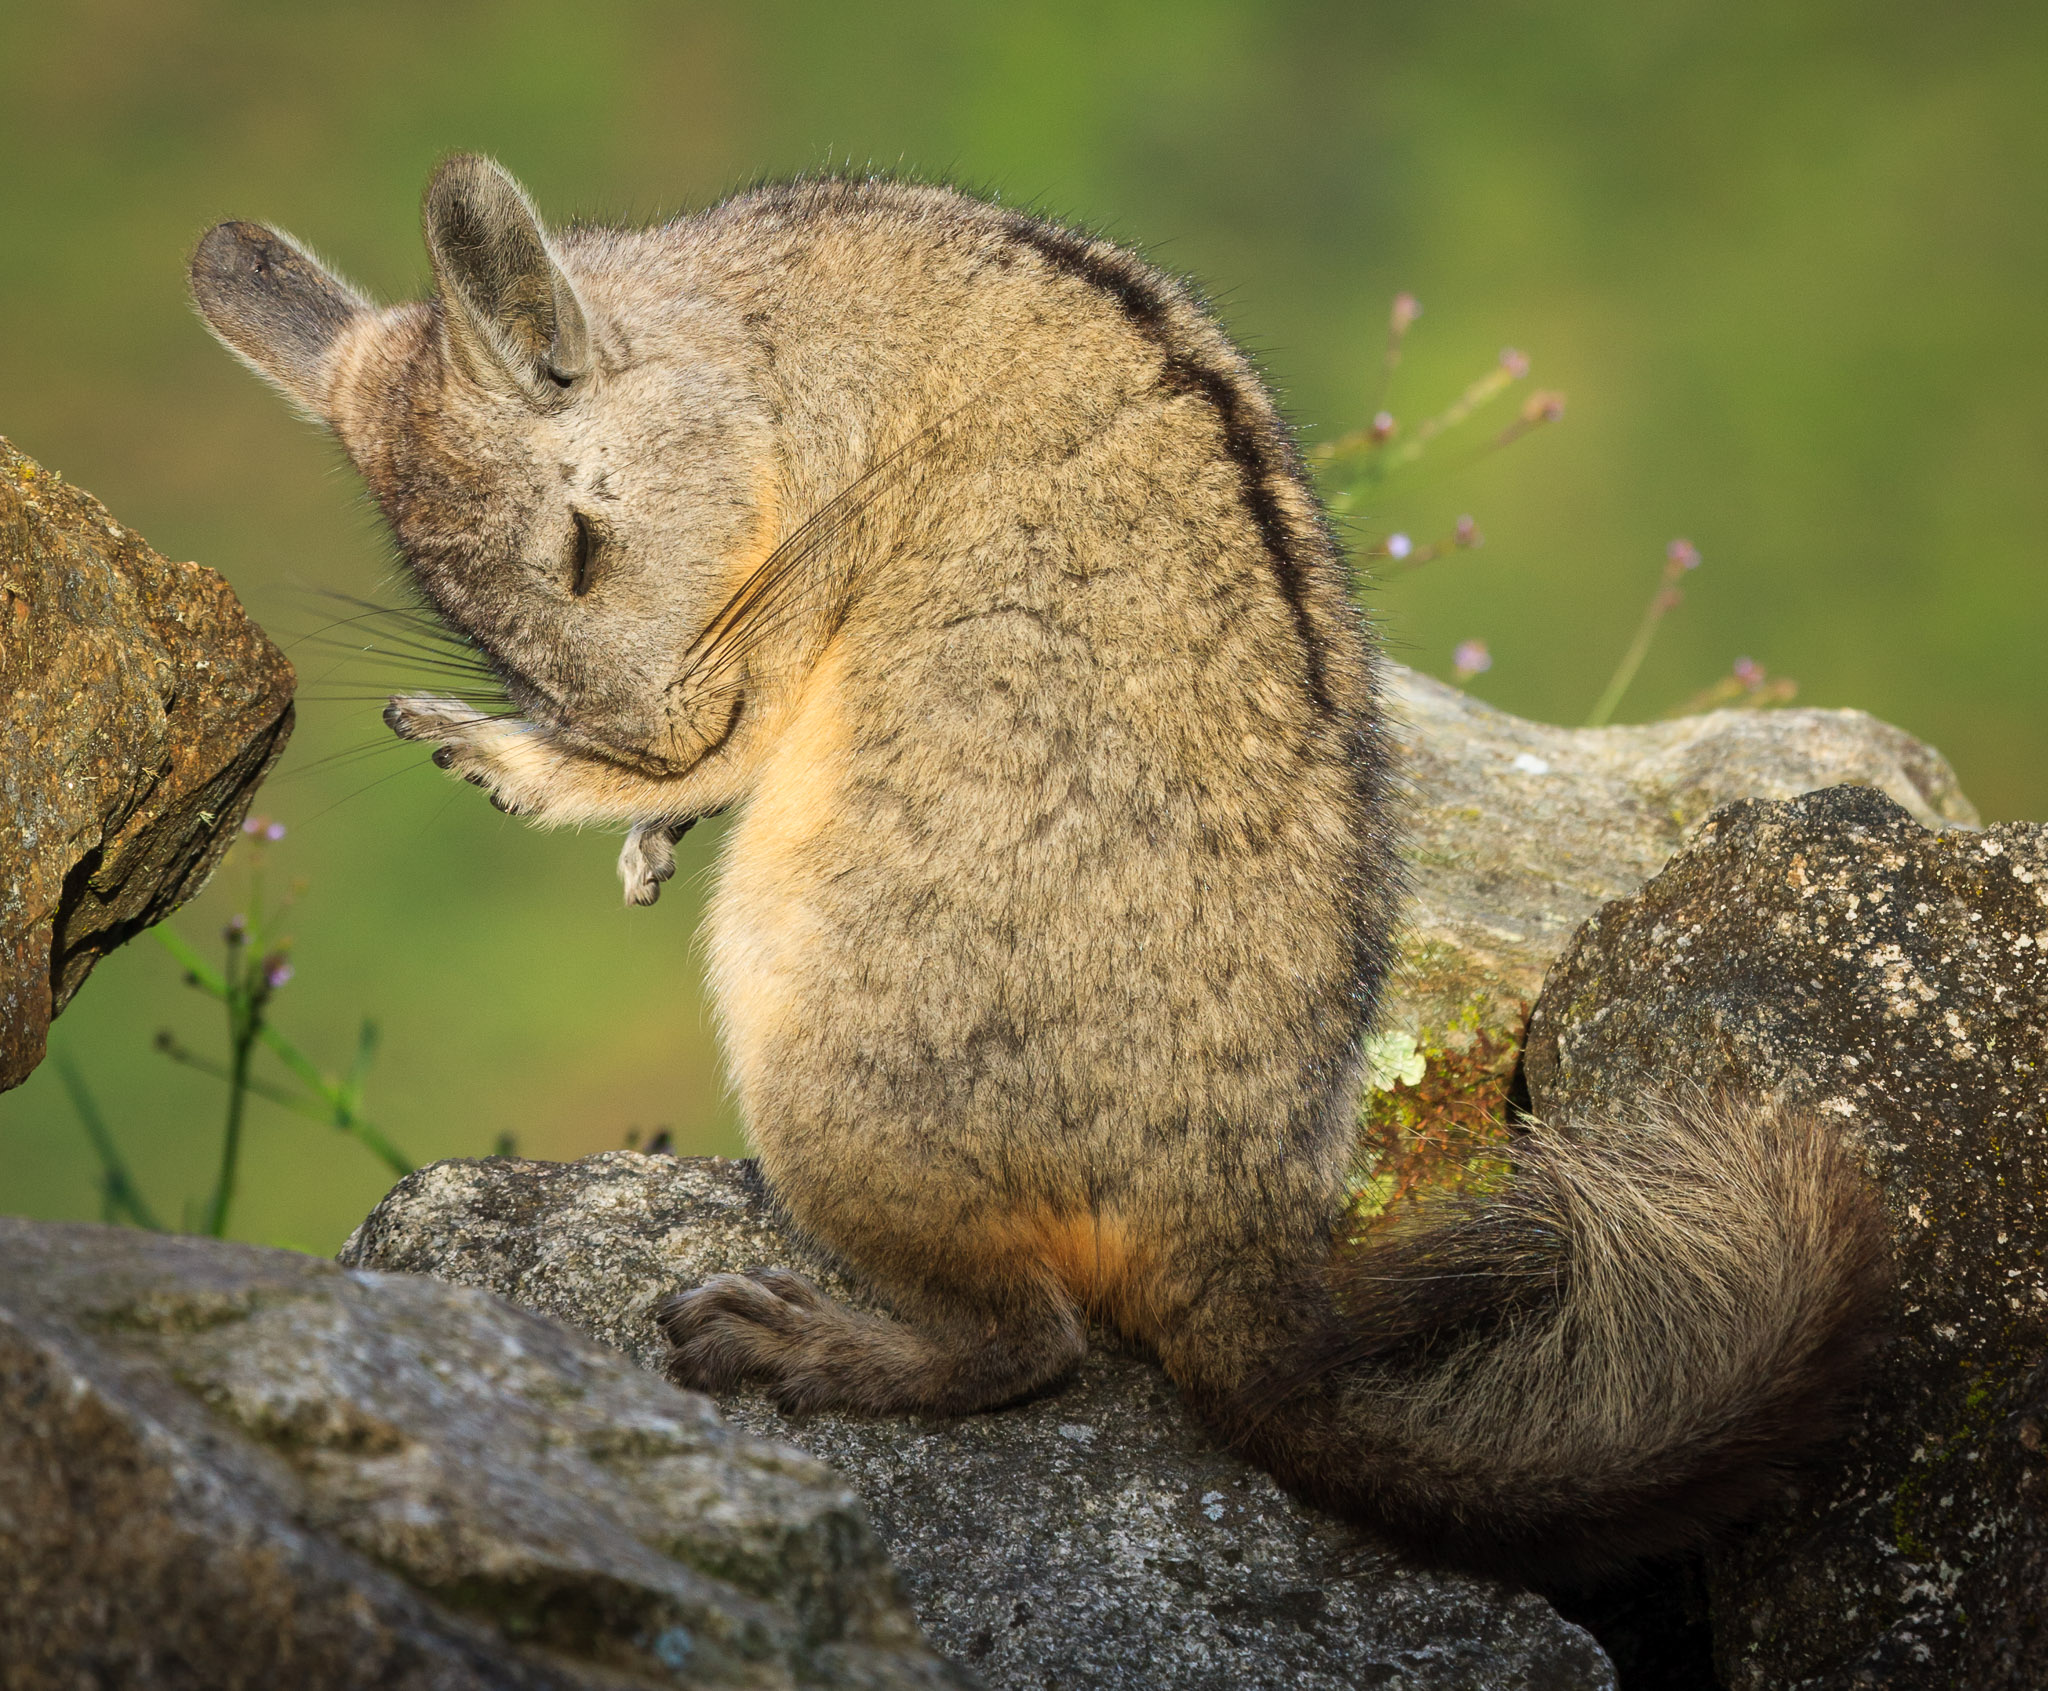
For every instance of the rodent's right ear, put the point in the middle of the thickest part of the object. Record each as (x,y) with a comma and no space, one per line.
(512,316)
(276,308)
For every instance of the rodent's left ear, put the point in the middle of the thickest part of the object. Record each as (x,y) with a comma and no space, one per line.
(275,307)
(513,318)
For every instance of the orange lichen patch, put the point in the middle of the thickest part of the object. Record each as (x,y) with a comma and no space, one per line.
(1444,1133)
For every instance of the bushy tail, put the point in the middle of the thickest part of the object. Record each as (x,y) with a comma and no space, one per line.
(1607,1360)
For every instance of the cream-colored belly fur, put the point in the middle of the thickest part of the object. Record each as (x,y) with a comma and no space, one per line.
(760,923)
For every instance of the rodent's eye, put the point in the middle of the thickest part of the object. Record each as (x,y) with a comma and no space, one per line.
(583,555)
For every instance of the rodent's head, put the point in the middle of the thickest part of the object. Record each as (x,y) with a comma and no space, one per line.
(568,445)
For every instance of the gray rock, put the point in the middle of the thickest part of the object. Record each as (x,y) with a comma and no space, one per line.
(1092,1538)
(226,1467)
(2005,1596)
(141,710)
(1830,950)
(1518,831)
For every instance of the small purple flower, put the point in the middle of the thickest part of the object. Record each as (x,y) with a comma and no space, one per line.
(1382,426)
(236,931)
(1749,672)
(1406,309)
(251,823)
(1545,405)
(1515,362)
(277,969)
(1683,554)
(1399,546)
(1471,658)
(1467,533)
(273,831)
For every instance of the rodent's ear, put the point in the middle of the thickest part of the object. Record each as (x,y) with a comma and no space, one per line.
(513,318)
(275,307)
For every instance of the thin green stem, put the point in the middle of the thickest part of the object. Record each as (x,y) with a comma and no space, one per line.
(245,1027)
(118,1191)
(204,975)
(313,1109)
(1631,660)
(340,1100)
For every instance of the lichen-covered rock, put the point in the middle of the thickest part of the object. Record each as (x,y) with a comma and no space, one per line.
(141,710)
(1832,951)
(236,1468)
(1517,831)
(1091,1538)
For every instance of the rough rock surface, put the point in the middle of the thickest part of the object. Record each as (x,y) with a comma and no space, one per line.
(141,709)
(1093,1538)
(1830,950)
(229,1467)
(2005,1596)
(1518,831)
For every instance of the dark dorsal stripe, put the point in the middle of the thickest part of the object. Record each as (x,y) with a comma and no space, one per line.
(1250,438)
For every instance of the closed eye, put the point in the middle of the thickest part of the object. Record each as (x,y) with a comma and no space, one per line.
(583,562)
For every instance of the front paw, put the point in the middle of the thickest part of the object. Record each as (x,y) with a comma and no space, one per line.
(470,741)
(422,717)
(741,1328)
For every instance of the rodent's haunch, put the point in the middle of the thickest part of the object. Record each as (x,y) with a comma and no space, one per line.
(967,559)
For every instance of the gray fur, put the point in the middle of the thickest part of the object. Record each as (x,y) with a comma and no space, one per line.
(967,558)
(513,317)
(275,307)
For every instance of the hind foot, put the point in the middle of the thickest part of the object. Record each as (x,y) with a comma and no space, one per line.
(774,1329)
(648,858)
(770,1327)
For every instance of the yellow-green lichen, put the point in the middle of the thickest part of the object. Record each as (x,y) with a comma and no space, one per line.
(1433,1119)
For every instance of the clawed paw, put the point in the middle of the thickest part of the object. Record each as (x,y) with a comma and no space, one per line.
(735,1329)
(422,717)
(646,860)
(461,729)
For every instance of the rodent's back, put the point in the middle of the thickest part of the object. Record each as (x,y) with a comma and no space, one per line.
(1073,869)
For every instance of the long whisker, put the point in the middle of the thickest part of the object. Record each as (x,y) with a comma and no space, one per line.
(416,613)
(406,636)
(404,661)
(409,651)
(412,621)
(382,695)
(392,775)
(393,648)
(415,630)
(346,757)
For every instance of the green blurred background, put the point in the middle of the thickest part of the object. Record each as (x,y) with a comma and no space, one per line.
(1788,261)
